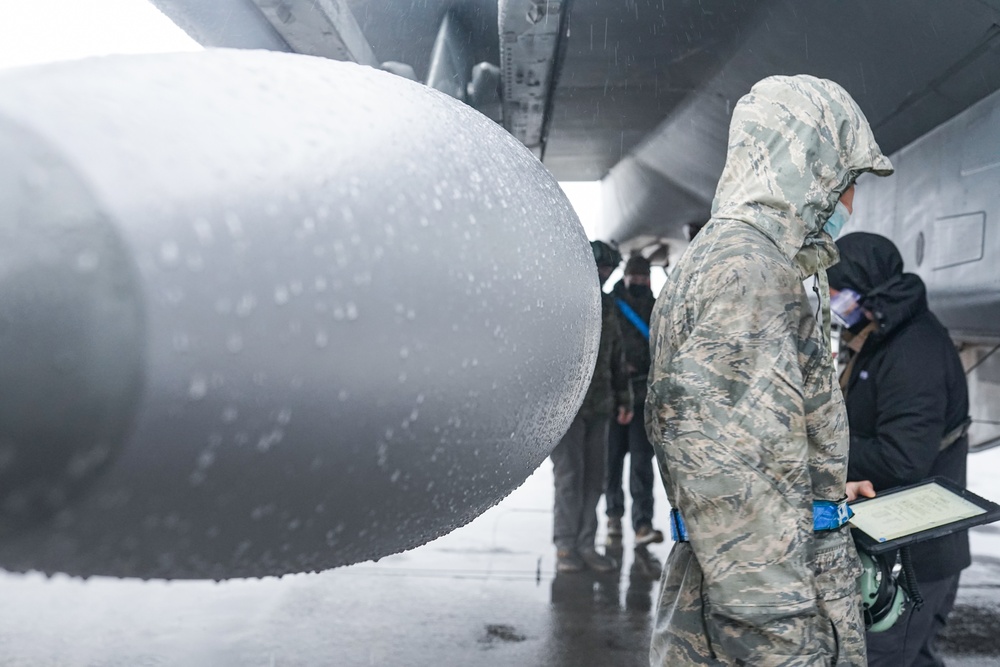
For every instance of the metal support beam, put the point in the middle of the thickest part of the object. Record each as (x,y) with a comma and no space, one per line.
(451,60)
(319,28)
(530,32)
(234,24)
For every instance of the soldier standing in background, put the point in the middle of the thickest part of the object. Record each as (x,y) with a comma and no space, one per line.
(578,461)
(634,304)
(743,409)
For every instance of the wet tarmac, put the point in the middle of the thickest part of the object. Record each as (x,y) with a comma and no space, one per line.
(486,594)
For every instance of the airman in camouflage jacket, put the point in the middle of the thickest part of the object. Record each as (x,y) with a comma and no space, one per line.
(743,409)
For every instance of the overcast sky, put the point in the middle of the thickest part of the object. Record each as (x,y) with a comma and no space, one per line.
(37,31)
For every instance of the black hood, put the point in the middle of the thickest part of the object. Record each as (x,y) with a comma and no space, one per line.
(872,266)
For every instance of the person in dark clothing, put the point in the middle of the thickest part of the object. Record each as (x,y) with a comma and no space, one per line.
(907,405)
(634,302)
(578,461)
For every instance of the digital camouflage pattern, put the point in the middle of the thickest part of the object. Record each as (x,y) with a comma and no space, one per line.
(609,387)
(743,410)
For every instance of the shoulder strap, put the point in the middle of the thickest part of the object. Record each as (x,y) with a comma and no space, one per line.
(633,317)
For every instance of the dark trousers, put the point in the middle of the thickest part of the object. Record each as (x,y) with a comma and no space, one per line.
(630,439)
(578,467)
(910,641)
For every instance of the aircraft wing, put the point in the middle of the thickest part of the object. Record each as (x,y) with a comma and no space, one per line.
(642,92)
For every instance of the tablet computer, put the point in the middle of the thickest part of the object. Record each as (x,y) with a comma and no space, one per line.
(910,514)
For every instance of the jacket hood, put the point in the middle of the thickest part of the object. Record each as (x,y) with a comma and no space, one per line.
(872,266)
(796,143)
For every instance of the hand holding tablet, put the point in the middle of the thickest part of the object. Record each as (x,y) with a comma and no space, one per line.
(910,514)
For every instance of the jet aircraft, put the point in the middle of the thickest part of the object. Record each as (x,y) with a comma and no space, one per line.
(638,95)
(369,409)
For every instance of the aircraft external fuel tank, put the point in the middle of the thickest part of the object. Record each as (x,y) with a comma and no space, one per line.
(264,313)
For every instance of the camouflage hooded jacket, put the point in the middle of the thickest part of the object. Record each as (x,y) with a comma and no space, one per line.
(743,408)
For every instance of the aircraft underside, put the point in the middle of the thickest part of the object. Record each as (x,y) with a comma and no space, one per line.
(287,313)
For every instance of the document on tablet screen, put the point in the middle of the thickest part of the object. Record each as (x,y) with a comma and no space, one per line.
(911,511)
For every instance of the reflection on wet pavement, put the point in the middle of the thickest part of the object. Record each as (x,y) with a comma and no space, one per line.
(487,594)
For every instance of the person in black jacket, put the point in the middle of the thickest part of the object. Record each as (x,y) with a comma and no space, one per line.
(907,405)
(634,300)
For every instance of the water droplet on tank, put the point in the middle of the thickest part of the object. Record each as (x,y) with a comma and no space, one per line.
(234,343)
(198,387)
(269,440)
(169,253)
(246,304)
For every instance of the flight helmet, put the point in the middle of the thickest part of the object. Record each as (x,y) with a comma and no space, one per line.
(883,601)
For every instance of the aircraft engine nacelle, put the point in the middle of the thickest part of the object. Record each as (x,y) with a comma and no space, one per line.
(263,313)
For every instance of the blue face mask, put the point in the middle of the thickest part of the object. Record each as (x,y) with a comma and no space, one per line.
(837,220)
(846,307)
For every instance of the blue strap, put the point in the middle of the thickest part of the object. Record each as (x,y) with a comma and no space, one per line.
(633,317)
(678,531)
(827,515)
